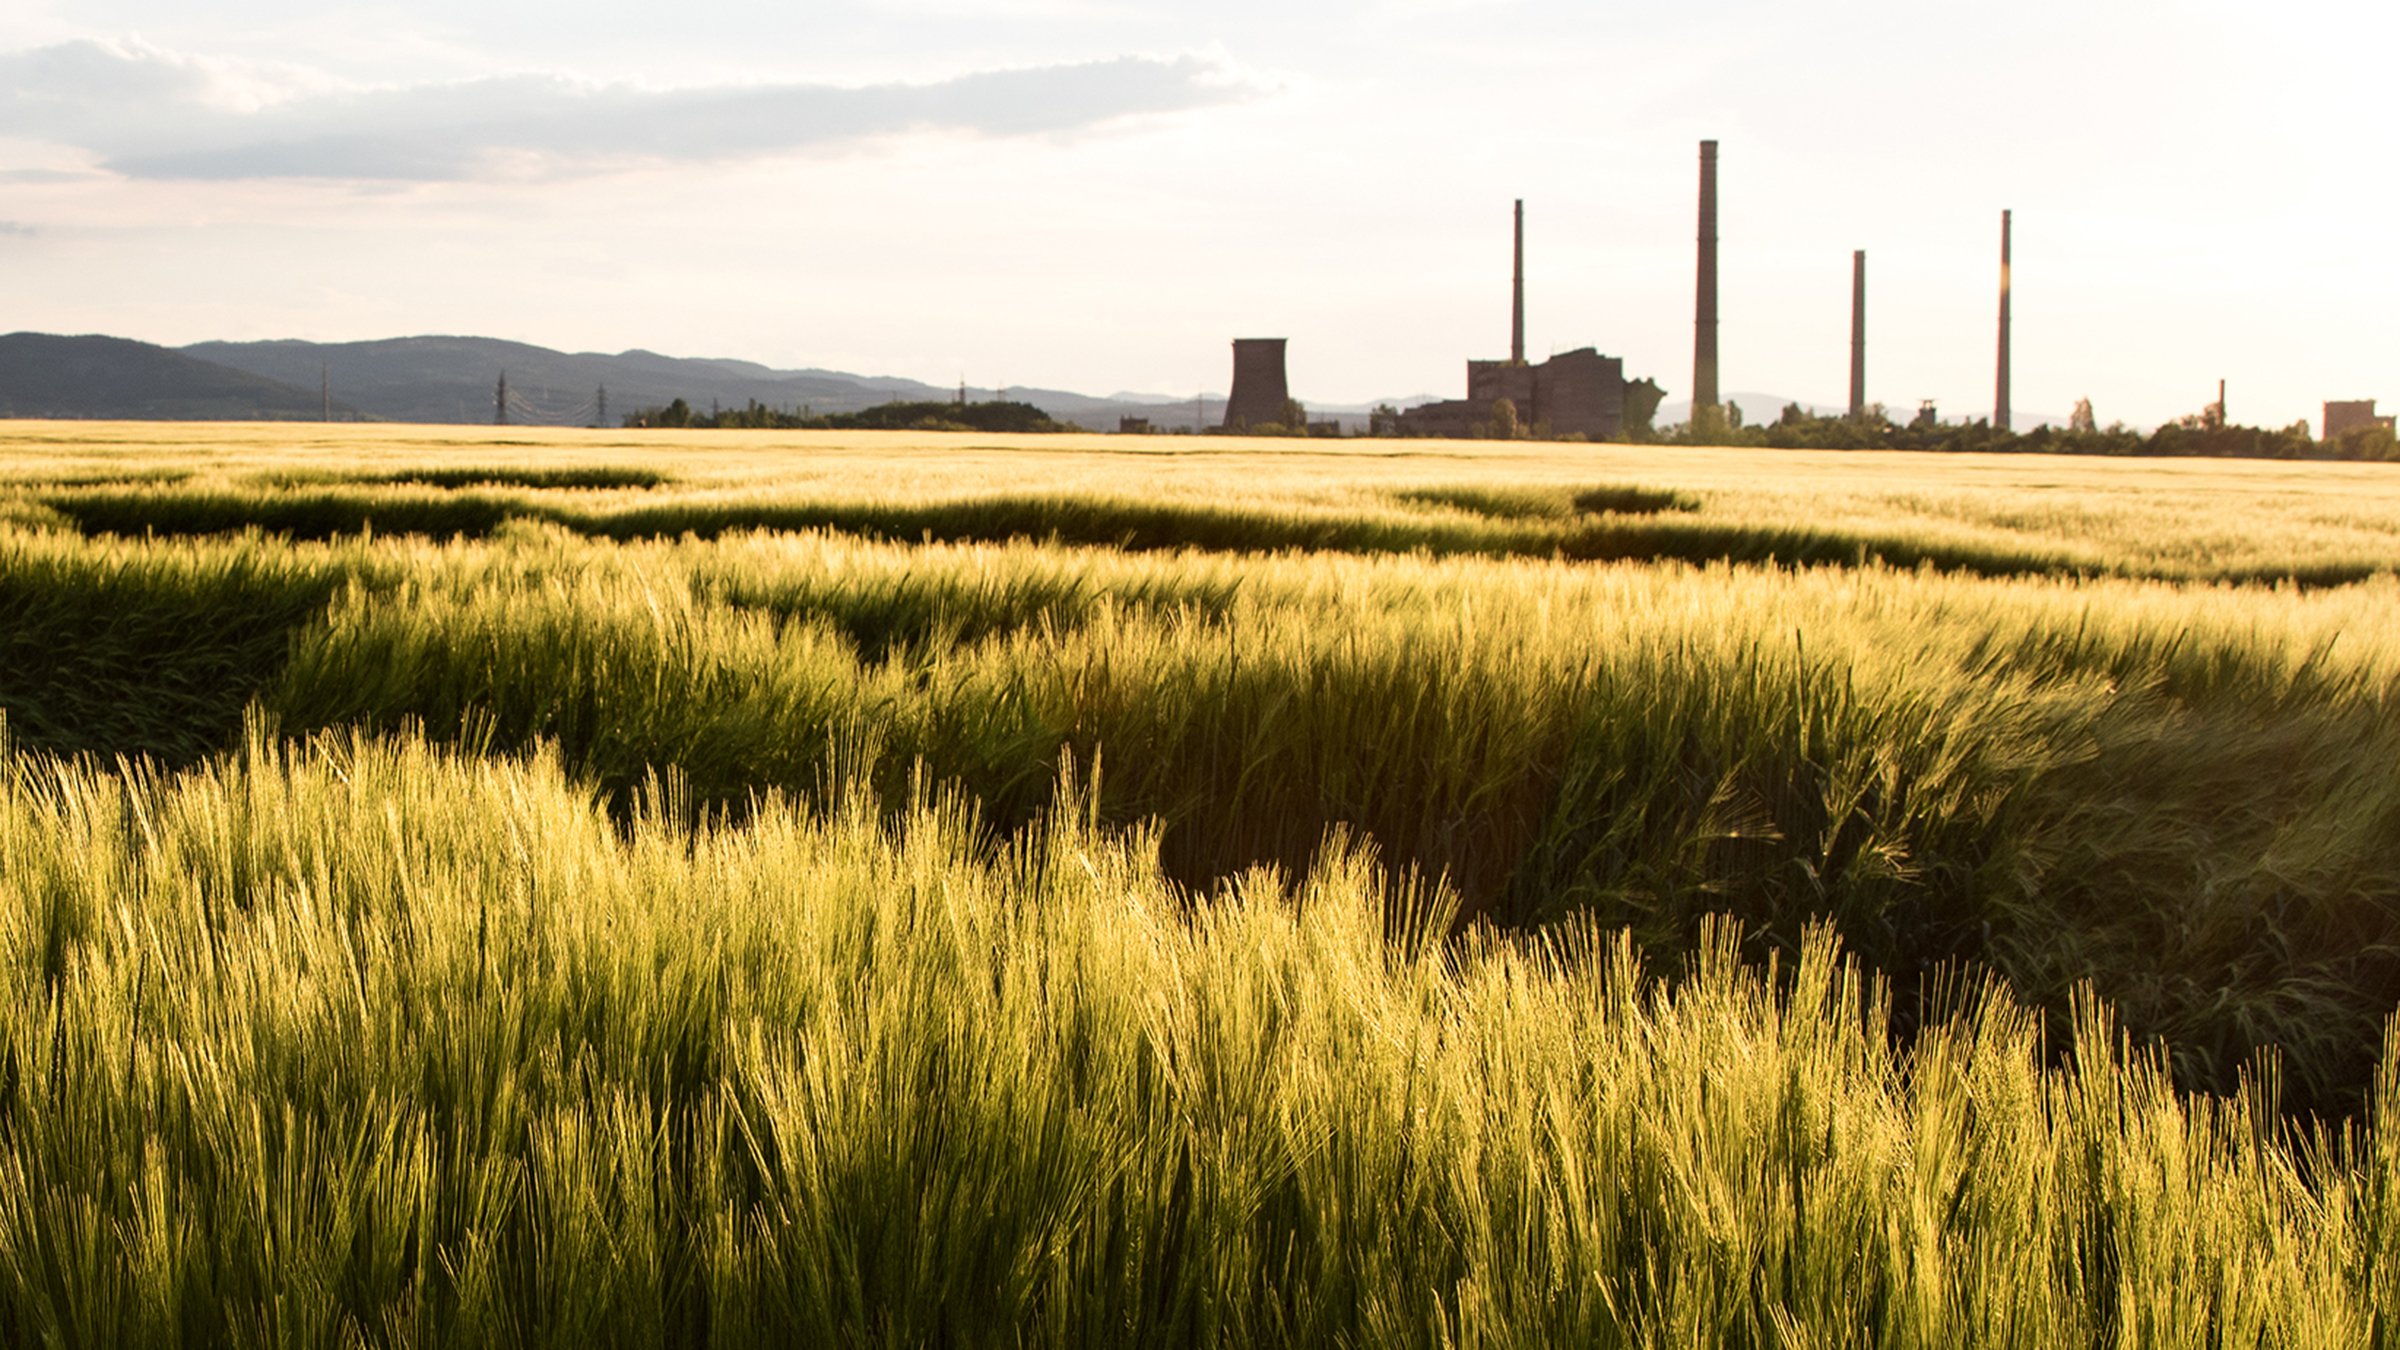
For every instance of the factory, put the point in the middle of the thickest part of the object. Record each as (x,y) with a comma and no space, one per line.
(2343,416)
(1577,393)
(1582,394)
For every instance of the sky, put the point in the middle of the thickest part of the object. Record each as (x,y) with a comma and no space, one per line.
(1099,195)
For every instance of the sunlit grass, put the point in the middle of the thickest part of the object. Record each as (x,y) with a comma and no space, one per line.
(2317,523)
(363,1041)
(2181,795)
(638,887)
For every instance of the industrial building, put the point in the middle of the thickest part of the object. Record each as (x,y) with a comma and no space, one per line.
(1576,393)
(2354,414)
(1261,395)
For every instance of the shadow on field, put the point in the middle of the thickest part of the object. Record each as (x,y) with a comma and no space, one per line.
(1597,524)
(587,477)
(1553,503)
(149,652)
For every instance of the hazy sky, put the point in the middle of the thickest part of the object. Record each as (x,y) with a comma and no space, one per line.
(1099,194)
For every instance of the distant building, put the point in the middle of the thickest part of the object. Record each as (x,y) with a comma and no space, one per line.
(1577,393)
(1261,396)
(1133,426)
(2347,415)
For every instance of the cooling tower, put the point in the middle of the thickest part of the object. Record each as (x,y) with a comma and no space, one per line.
(1259,391)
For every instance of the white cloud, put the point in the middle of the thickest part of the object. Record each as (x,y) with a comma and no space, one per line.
(147,113)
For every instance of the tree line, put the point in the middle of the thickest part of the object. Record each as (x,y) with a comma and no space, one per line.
(2204,434)
(995,415)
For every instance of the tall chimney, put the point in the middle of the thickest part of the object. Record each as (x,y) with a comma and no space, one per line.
(1858,333)
(2000,397)
(1704,335)
(1516,322)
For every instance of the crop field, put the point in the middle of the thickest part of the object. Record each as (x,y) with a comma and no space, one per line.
(489,886)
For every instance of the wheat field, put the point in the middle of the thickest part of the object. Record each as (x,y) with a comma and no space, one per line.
(486,886)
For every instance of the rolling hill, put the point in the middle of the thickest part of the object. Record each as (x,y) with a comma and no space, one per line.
(44,375)
(455,379)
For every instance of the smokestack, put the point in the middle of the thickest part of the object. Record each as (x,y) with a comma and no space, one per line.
(1704,335)
(2000,396)
(1858,333)
(1516,322)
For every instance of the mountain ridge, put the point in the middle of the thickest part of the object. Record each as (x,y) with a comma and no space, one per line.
(456,379)
(92,375)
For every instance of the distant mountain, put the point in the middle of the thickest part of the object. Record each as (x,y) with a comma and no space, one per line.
(457,379)
(43,375)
